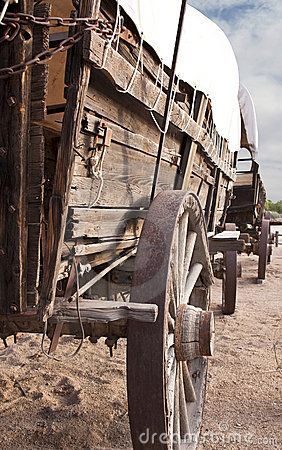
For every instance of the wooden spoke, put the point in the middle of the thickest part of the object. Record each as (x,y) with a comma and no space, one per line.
(189,250)
(171,323)
(192,278)
(184,421)
(176,419)
(182,237)
(175,268)
(189,390)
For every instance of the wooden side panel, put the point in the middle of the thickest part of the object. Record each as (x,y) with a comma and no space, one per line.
(14,113)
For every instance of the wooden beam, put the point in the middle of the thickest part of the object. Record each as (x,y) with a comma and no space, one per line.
(226,245)
(79,79)
(14,136)
(104,311)
(35,166)
(194,145)
(85,222)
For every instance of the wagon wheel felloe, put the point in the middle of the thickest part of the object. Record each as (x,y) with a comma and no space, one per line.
(166,364)
(263,249)
(229,278)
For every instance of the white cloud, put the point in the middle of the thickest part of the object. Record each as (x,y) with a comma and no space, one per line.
(254,29)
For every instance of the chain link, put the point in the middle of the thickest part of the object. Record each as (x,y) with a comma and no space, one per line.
(13,24)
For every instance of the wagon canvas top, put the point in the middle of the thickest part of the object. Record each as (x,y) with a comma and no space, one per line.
(206,59)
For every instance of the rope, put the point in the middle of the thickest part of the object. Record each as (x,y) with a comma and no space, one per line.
(160,69)
(171,102)
(99,175)
(77,350)
(130,84)
(191,115)
(108,44)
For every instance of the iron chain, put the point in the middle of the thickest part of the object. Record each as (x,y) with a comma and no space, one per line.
(14,22)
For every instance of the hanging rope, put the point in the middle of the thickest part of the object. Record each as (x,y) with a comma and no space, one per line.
(171,100)
(97,172)
(77,350)
(108,44)
(161,79)
(191,115)
(130,84)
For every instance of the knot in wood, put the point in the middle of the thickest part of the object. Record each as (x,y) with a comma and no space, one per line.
(194,333)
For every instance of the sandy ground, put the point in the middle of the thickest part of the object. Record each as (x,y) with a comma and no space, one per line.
(81,403)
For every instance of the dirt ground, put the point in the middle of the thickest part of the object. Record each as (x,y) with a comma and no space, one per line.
(81,403)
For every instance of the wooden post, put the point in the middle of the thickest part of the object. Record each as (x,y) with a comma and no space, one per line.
(276,238)
(194,145)
(79,79)
(14,132)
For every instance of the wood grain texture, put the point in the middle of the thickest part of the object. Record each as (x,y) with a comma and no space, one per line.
(14,113)
(109,311)
(119,72)
(35,166)
(122,223)
(79,79)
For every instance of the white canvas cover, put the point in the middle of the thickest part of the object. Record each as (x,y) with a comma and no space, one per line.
(248,113)
(206,59)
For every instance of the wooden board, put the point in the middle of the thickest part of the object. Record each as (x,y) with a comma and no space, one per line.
(14,113)
(127,179)
(79,78)
(35,166)
(122,223)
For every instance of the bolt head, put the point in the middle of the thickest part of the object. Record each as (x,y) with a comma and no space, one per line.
(13,308)
(3,152)
(11,101)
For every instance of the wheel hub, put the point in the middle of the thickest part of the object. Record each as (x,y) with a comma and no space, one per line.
(194,333)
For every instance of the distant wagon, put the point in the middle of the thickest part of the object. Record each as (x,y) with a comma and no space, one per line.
(247,208)
(117,165)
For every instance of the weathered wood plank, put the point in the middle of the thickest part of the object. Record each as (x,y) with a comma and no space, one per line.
(109,311)
(14,113)
(35,167)
(90,248)
(217,245)
(79,79)
(119,71)
(125,111)
(127,179)
(132,140)
(98,223)
(230,235)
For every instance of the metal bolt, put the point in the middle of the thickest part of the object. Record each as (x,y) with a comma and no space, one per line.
(13,308)
(11,101)
(11,209)
(3,152)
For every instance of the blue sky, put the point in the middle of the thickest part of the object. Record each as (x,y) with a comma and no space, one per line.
(254,28)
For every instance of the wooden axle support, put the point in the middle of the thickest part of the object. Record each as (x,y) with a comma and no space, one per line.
(226,241)
(104,311)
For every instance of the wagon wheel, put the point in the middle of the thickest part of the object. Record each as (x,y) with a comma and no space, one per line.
(166,367)
(229,279)
(263,249)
